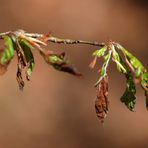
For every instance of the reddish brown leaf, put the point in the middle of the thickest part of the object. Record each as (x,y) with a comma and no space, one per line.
(58,61)
(93,63)
(19,78)
(101,103)
(21,66)
(45,38)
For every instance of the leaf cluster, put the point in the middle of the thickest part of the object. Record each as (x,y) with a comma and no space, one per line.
(128,65)
(22,44)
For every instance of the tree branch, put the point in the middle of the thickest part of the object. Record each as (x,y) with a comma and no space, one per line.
(52,38)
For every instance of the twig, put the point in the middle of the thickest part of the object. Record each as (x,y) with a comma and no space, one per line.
(51,38)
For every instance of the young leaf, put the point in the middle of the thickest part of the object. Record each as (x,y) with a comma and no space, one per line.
(144,81)
(128,98)
(8,51)
(144,84)
(3,68)
(101,102)
(100,52)
(118,60)
(26,47)
(59,62)
(107,59)
(135,63)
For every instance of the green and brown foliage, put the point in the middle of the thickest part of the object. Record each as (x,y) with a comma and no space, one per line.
(22,44)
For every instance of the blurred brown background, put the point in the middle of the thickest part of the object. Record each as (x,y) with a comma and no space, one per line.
(56,110)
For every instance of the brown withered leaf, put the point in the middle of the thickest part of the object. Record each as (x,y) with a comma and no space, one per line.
(101,102)
(45,38)
(58,61)
(21,65)
(93,62)
(19,77)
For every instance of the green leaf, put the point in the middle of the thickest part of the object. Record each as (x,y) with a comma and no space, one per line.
(59,62)
(26,47)
(100,52)
(144,81)
(121,66)
(135,63)
(8,52)
(128,97)
(137,67)
(144,84)
(107,59)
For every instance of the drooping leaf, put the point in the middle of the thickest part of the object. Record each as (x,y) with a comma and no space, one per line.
(101,102)
(19,77)
(100,52)
(8,52)
(128,97)
(59,62)
(93,62)
(3,68)
(144,84)
(144,81)
(121,67)
(26,47)
(137,68)
(107,59)
(135,63)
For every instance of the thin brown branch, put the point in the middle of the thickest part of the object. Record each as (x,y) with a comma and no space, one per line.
(52,38)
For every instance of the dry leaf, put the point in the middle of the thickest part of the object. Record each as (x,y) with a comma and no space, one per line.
(101,103)
(19,78)
(93,63)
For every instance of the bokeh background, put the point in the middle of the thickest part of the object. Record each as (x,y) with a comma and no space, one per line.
(56,110)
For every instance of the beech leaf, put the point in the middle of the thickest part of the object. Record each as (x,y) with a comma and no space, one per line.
(8,52)
(26,46)
(101,102)
(59,62)
(128,97)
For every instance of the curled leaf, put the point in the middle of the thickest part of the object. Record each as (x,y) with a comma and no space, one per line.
(3,68)
(26,47)
(136,64)
(59,62)
(100,52)
(93,63)
(144,81)
(144,84)
(128,97)
(21,64)
(19,77)
(101,102)
(107,59)
(8,52)
(97,53)
(118,60)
